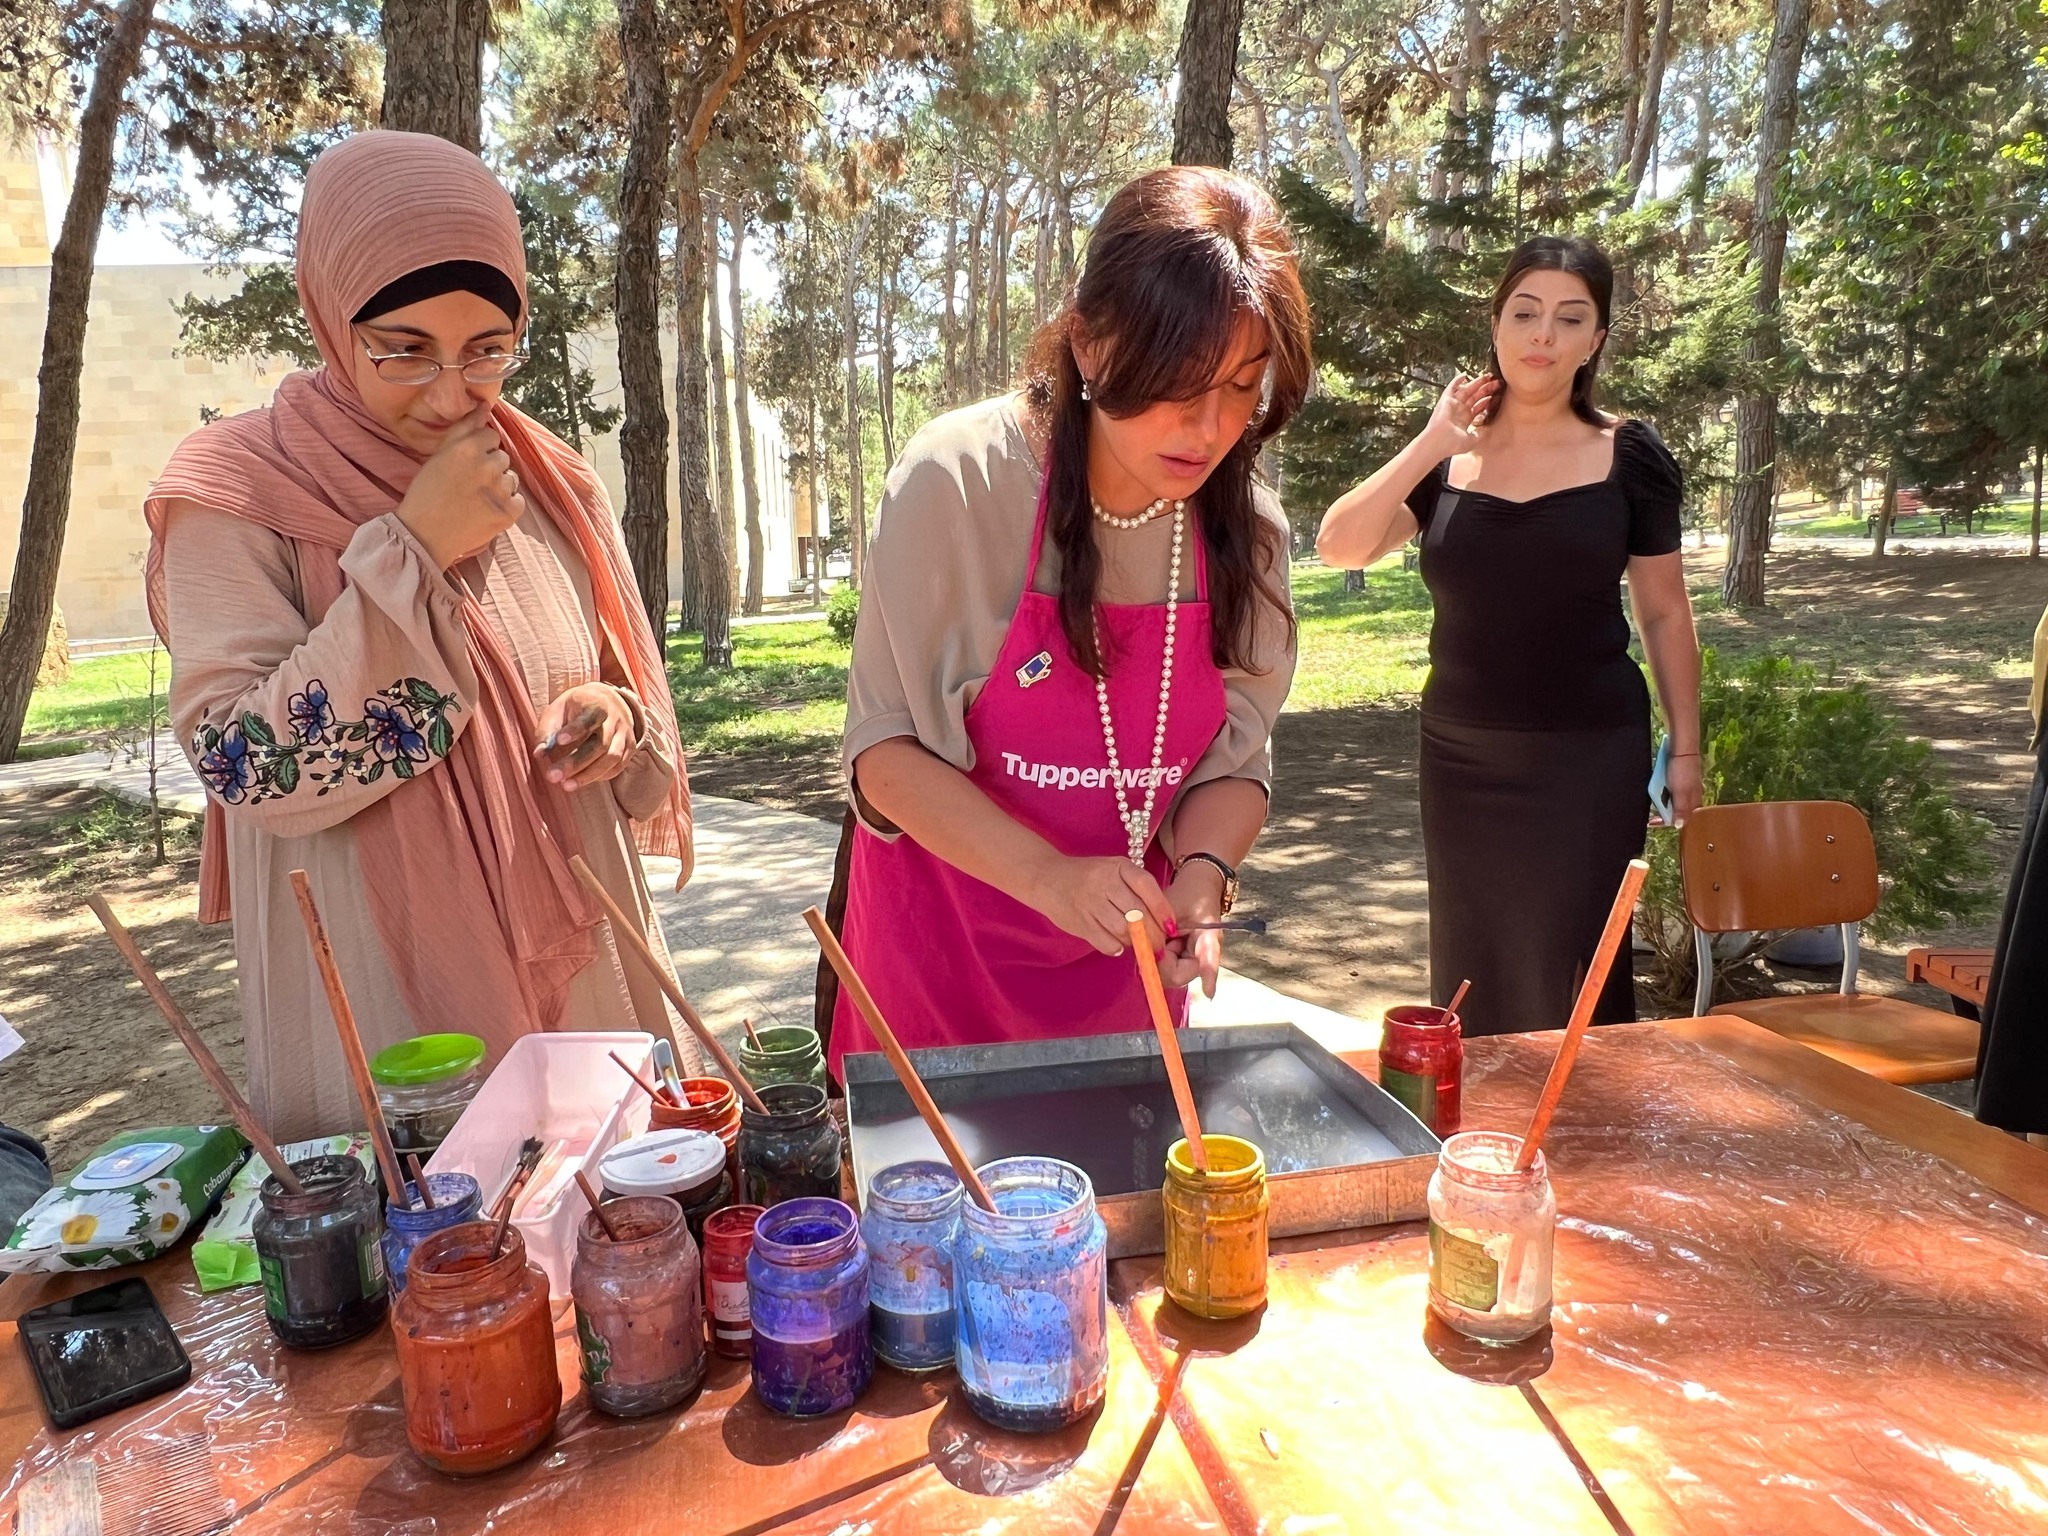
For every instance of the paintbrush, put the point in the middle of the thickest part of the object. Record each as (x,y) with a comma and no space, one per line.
(920,1096)
(653,1090)
(1246,924)
(1169,1047)
(752,1039)
(1458,996)
(596,1206)
(352,1054)
(665,1068)
(245,1117)
(529,1159)
(419,1180)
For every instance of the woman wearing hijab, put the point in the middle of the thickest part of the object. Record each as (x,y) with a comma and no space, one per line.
(408,656)
(1533,507)
(1074,638)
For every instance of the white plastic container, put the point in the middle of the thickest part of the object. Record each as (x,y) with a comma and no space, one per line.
(564,1089)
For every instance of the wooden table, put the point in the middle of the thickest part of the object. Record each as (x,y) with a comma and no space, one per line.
(1964,974)
(1809,1359)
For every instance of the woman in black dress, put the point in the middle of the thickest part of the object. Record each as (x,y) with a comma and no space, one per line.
(1532,505)
(2012,1060)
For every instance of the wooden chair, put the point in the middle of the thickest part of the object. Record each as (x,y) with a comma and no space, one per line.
(1805,864)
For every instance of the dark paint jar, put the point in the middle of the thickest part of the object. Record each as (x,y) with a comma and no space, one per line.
(319,1254)
(807,1291)
(792,1151)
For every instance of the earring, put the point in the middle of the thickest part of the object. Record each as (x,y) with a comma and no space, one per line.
(1086,392)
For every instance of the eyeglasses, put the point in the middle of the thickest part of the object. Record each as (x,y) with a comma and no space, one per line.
(413,369)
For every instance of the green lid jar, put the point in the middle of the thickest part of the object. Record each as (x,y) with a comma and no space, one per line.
(423,1085)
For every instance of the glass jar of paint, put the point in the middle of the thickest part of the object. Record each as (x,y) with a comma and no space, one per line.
(912,1218)
(1422,1063)
(709,1104)
(423,1086)
(457,1198)
(788,1053)
(687,1166)
(792,1151)
(476,1351)
(1031,1296)
(1491,1232)
(319,1254)
(1216,1228)
(807,1291)
(728,1240)
(639,1307)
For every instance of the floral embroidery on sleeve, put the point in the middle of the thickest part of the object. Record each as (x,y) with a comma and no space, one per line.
(402,726)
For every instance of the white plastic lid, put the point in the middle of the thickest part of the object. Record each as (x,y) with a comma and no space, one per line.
(663,1163)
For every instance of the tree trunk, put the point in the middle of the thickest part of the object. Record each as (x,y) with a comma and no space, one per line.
(1703,150)
(46,505)
(725,493)
(1631,61)
(811,483)
(1207,64)
(2034,544)
(857,490)
(434,68)
(1354,162)
(1887,507)
(1653,94)
(885,359)
(973,364)
(949,320)
(999,277)
(1756,416)
(704,540)
(743,417)
(643,432)
(1262,128)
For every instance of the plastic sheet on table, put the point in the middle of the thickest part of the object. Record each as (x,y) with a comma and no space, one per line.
(1770,1318)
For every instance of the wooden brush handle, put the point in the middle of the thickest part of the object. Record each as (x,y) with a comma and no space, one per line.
(627,932)
(351,1038)
(596,1206)
(1169,1043)
(1582,1011)
(245,1117)
(659,1095)
(906,1074)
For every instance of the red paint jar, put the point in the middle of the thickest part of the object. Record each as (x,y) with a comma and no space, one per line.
(1422,1063)
(709,1104)
(728,1239)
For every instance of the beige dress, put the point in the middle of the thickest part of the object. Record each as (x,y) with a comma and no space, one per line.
(241,643)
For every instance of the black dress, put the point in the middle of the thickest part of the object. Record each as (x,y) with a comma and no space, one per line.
(2012,1058)
(1535,732)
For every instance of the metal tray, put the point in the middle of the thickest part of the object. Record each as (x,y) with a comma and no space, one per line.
(1340,1151)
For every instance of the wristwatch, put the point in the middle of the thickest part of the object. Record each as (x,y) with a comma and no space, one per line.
(1229,875)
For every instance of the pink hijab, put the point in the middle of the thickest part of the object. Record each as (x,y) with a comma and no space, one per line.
(467,865)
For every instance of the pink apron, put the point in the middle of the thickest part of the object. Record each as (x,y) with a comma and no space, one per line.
(953,961)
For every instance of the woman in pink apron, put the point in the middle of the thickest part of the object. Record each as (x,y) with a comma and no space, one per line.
(1074,638)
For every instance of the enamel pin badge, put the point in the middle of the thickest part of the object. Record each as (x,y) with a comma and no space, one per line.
(1036,670)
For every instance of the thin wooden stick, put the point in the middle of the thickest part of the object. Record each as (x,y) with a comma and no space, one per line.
(1458,996)
(351,1039)
(1169,1046)
(626,931)
(596,1206)
(906,1074)
(419,1180)
(752,1039)
(659,1095)
(245,1117)
(1582,1011)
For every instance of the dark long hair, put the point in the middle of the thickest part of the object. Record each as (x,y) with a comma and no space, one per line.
(1589,264)
(1178,256)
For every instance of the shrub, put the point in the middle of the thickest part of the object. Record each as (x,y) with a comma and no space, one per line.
(842,609)
(1774,729)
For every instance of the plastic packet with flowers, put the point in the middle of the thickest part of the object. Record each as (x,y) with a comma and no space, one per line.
(131,1200)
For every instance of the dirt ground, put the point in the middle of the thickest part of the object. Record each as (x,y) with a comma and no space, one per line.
(1339,872)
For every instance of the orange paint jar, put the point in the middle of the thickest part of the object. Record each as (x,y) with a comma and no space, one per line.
(709,1104)
(476,1351)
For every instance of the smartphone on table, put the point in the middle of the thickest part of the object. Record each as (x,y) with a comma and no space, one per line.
(102,1350)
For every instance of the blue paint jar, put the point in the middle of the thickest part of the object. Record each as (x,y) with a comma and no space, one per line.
(913,1215)
(1031,1289)
(807,1292)
(457,1199)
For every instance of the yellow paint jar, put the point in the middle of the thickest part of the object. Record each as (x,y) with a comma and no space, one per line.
(1216,1228)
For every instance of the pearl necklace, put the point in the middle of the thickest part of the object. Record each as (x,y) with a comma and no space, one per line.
(1138,824)
(1137,519)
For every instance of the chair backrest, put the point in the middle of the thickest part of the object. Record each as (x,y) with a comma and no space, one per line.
(1777,864)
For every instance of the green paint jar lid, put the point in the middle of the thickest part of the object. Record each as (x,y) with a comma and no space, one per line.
(426,1059)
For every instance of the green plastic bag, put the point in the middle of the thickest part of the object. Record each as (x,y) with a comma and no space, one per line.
(132,1200)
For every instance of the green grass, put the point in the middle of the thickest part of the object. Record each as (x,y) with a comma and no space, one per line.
(2013,517)
(1369,647)
(113,834)
(103,693)
(786,690)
